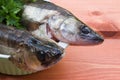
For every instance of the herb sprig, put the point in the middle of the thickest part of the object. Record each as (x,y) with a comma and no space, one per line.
(10,12)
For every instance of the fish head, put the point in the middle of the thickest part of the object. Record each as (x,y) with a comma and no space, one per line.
(47,53)
(76,32)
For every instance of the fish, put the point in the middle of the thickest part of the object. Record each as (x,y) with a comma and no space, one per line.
(28,52)
(48,20)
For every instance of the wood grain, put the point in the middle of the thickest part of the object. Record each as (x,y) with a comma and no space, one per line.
(100,62)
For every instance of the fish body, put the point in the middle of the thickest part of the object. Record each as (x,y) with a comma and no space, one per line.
(27,52)
(45,19)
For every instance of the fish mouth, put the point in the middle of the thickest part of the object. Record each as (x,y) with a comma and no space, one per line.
(52,62)
(87,43)
(49,54)
(96,40)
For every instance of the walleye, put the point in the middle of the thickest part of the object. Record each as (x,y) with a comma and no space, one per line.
(27,52)
(45,19)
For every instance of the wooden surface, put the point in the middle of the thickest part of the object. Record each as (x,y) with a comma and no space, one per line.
(100,62)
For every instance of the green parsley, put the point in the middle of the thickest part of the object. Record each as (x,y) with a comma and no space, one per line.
(11,12)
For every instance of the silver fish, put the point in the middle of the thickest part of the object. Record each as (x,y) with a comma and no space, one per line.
(28,52)
(45,19)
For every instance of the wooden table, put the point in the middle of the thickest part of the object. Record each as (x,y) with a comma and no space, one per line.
(100,62)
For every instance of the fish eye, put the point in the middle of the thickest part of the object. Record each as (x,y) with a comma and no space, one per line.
(85,30)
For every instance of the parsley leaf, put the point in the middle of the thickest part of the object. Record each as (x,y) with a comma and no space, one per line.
(11,12)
